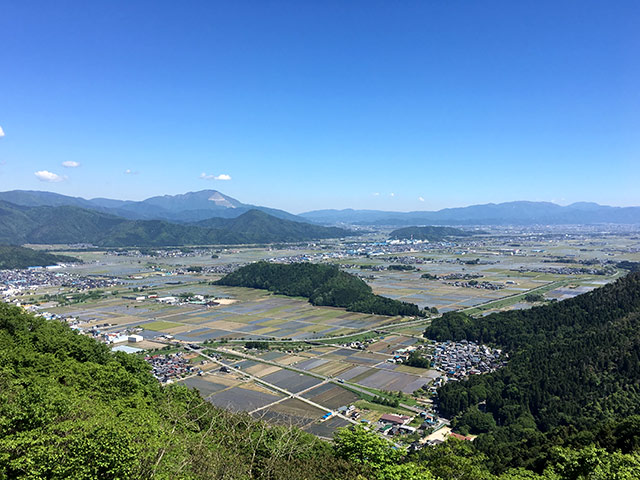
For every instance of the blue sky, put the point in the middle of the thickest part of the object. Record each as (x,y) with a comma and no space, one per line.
(325,104)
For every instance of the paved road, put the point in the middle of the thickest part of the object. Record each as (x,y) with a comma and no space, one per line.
(270,385)
(325,379)
(279,389)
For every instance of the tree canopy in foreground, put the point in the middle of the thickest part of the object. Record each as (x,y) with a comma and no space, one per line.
(71,408)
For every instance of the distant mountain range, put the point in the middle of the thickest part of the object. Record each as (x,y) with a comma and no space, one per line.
(70,224)
(511,213)
(184,208)
(206,207)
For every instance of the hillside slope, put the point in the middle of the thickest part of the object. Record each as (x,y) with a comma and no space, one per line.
(255,225)
(20,257)
(574,367)
(72,409)
(67,224)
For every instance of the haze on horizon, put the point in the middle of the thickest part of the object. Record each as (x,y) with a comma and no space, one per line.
(310,106)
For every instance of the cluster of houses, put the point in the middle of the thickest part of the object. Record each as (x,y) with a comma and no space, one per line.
(567,270)
(460,359)
(223,268)
(460,276)
(358,345)
(173,300)
(166,368)
(163,253)
(475,284)
(410,260)
(402,354)
(455,360)
(19,281)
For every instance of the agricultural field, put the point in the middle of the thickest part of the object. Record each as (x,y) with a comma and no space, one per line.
(309,368)
(255,315)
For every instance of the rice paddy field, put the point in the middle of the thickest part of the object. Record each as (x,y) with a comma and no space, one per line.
(367,368)
(511,274)
(255,315)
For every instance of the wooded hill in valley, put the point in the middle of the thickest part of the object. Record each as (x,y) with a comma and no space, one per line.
(322,284)
(21,257)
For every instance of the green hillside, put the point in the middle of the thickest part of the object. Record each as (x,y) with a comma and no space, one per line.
(67,224)
(71,409)
(432,234)
(322,284)
(20,257)
(573,374)
(255,226)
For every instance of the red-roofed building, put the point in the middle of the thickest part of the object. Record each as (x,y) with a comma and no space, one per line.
(460,437)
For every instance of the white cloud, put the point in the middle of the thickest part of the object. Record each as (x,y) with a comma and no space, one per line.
(70,164)
(222,176)
(1,132)
(46,176)
(421,199)
(128,171)
(376,194)
(392,194)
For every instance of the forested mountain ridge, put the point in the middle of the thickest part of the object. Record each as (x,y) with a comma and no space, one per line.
(574,368)
(69,224)
(255,226)
(187,207)
(20,257)
(320,283)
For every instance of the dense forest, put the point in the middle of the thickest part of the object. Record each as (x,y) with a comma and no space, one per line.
(21,257)
(68,224)
(572,376)
(432,234)
(322,284)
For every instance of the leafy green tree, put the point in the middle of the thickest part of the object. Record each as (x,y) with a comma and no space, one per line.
(377,457)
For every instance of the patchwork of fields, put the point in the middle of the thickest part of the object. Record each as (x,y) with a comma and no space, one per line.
(257,315)
(328,375)
(315,374)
